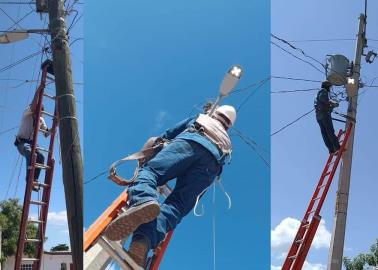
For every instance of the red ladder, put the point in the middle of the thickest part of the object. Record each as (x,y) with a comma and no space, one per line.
(41,222)
(310,222)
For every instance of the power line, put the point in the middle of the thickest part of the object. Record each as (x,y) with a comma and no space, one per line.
(323,40)
(20,61)
(298,49)
(291,123)
(252,93)
(15,3)
(293,55)
(294,79)
(293,91)
(7,130)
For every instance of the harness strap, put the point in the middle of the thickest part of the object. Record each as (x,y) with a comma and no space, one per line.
(142,157)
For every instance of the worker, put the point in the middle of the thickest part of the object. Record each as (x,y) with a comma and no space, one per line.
(323,108)
(195,155)
(24,138)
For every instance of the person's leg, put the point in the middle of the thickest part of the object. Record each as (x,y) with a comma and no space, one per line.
(40,159)
(25,150)
(328,125)
(170,162)
(183,198)
(325,136)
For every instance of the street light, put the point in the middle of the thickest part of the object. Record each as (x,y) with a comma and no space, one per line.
(14,36)
(229,82)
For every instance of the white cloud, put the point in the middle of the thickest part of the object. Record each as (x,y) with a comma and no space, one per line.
(283,235)
(57,218)
(306,266)
(315,266)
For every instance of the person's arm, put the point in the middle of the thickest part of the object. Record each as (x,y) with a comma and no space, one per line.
(171,133)
(43,126)
(323,97)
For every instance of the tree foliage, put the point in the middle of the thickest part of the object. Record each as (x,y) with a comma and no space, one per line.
(10,216)
(60,247)
(363,259)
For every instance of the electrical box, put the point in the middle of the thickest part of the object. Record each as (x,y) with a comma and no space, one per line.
(41,6)
(337,69)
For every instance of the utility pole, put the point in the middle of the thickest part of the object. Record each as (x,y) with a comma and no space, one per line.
(338,232)
(68,130)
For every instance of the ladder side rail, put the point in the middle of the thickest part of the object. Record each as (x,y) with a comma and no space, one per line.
(157,258)
(335,166)
(305,247)
(30,180)
(47,191)
(97,227)
(294,247)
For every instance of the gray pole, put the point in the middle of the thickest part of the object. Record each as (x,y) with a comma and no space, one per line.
(68,130)
(338,232)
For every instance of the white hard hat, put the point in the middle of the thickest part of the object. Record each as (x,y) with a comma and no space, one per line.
(229,112)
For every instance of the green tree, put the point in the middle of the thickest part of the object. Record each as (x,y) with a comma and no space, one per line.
(60,247)
(10,216)
(363,259)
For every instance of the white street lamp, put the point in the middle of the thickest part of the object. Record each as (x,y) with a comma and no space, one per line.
(229,82)
(14,36)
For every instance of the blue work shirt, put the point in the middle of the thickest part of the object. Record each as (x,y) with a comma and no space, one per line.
(182,130)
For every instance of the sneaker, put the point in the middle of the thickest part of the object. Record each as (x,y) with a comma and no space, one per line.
(131,219)
(139,247)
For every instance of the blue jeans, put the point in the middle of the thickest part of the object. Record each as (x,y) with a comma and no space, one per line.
(25,150)
(328,133)
(195,169)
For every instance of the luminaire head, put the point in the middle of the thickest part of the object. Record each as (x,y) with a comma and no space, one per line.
(230,80)
(13,37)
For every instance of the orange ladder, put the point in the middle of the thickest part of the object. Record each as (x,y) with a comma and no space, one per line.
(310,222)
(99,251)
(34,186)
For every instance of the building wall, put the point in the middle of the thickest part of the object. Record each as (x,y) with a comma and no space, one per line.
(50,261)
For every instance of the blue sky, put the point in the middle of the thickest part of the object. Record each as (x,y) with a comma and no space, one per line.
(298,152)
(16,95)
(148,68)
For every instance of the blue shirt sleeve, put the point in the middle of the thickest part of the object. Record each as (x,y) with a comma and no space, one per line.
(171,133)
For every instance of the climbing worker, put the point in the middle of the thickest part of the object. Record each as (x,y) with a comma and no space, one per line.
(195,155)
(24,138)
(323,108)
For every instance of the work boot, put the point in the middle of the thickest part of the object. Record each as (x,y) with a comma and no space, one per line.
(36,186)
(131,219)
(138,250)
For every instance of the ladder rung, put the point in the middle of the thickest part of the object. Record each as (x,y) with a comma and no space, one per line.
(306,225)
(299,241)
(35,221)
(37,202)
(40,184)
(310,212)
(50,78)
(322,186)
(293,257)
(43,149)
(47,113)
(318,198)
(30,259)
(48,96)
(42,166)
(327,173)
(32,240)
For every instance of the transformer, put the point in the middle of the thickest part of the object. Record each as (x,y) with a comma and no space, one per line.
(337,69)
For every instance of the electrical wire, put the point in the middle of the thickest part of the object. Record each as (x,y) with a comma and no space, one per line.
(295,79)
(294,91)
(11,177)
(291,123)
(252,93)
(293,55)
(20,61)
(7,130)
